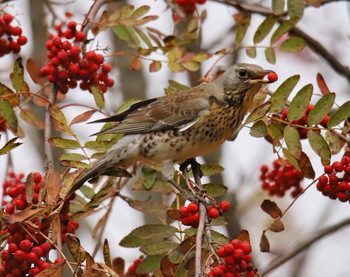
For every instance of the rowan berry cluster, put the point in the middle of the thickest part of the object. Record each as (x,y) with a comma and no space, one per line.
(237,261)
(69,64)
(303,121)
(11,38)
(26,250)
(190,214)
(133,267)
(336,183)
(281,178)
(189,6)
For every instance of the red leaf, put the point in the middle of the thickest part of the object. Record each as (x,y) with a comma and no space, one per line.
(135,63)
(82,117)
(322,84)
(271,208)
(264,243)
(277,226)
(34,72)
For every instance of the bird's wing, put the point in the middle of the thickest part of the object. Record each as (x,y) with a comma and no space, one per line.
(176,111)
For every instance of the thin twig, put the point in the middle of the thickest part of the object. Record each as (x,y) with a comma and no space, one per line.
(302,246)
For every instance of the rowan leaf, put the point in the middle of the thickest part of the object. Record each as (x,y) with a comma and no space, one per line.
(277,226)
(284,27)
(140,11)
(293,45)
(290,158)
(74,247)
(277,6)
(153,208)
(98,96)
(242,27)
(258,129)
(210,169)
(321,109)
(334,142)
(59,120)
(155,232)
(107,253)
(55,270)
(292,139)
(7,113)
(251,52)
(275,129)
(201,57)
(64,143)
(322,84)
(155,66)
(176,66)
(264,243)
(158,247)
(271,208)
(177,85)
(17,77)
(34,72)
(295,8)
(149,264)
(320,146)
(270,55)
(72,157)
(30,117)
(191,66)
(135,64)
(215,189)
(145,39)
(264,29)
(340,115)
(258,113)
(300,102)
(149,176)
(7,94)
(11,144)
(98,145)
(280,96)
(305,166)
(82,117)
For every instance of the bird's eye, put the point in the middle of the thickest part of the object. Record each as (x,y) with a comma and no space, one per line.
(242,73)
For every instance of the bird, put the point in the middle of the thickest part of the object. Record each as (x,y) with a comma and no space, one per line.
(171,129)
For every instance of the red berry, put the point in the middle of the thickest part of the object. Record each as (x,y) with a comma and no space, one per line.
(217,271)
(13,247)
(272,76)
(43,265)
(323,180)
(90,55)
(34,271)
(109,82)
(337,166)
(222,252)
(213,212)
(19,203)
(75,50)
(59,260)
(46,247)
(32,257)
(184,211)
(80,36)
(15,31)
(224,205)
(22,40)
(7,17)
(19,255)
(21,188)
(25,245)
(245,246)
(99,59)
(38,251)
(106,68)
(72,25)
(328,169)
(5,255)
(228,248)
(192,208)
(13,192)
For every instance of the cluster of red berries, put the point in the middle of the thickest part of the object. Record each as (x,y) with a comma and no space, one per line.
(189,6)
(281,178)
(11,38)
(236,256)
(190,214)
(69,65)
(303,121)
(133,267)
(27,250)
(334,186)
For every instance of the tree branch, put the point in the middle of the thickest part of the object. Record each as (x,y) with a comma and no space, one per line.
(49,161)
(302,246)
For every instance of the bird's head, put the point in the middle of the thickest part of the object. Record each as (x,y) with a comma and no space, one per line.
(244,75)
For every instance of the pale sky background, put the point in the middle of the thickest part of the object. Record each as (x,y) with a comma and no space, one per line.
(242,158)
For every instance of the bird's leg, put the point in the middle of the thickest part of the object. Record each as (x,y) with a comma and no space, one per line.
(197,172)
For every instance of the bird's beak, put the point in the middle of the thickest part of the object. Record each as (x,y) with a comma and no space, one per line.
(259,78)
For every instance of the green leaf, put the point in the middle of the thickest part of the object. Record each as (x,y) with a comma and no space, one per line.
(72,157)
(144,37)
(259,129)
(281,30)
(149,176)
(77,251)
(277,6)
(153,208)
(128,34)
(131,241)
(334,142)
(270,55)
(30,117)
(140,11)
(340,115)
(215,190)
(98,96)
(264,29)
(210,169)
(251,52)
(98,145)
(17,77)
(320,146)
(290,158)
(293,45)
(295,8)
(11,144)
(59,120)
(280,96)
(64,143)
(175,67)
(292,139)
(201,57)
(127,11)
(258,113)
(300,102)
(177,85)
(9,95)
(158,247)
(242,27)
(155,232)
(191,66)
(275,129)
(150,264)
(321,109)
(7,112)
